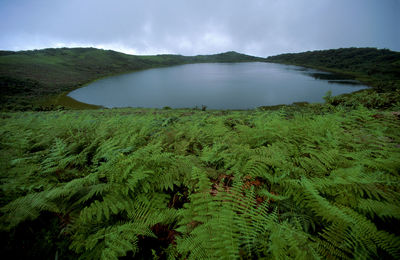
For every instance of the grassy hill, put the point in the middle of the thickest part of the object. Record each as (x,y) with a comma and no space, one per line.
(40,79)
(377,67)
(32,78)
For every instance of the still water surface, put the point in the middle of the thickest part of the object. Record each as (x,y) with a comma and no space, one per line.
(215,85)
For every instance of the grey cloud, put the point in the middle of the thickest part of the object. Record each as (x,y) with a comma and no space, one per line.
(200,27)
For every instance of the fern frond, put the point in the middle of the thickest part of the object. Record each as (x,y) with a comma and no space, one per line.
(379,208)
(27,207)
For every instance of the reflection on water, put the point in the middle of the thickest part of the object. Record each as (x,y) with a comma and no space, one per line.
(345,82)
(330,76)
(215,85)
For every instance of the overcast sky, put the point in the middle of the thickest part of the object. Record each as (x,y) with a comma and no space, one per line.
(189,27)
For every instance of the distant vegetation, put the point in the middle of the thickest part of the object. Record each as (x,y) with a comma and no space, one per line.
(379,68)
(306,181)
(33,79)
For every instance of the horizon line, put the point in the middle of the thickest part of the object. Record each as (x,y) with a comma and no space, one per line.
(177,54)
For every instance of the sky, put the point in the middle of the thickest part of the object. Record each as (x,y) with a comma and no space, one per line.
(190,27)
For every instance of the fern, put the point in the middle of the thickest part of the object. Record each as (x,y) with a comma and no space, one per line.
(321,182)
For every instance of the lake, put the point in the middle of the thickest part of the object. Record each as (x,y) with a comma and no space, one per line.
(216,85)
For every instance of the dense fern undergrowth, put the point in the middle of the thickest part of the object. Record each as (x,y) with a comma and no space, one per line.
(320,183)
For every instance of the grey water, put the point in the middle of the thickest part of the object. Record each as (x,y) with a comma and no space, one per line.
(215,85)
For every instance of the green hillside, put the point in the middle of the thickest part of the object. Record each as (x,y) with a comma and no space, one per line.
(40,79)
(377,67)
(29,79)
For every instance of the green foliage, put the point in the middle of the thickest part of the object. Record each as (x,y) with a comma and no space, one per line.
(368,98)
(377,67)
(312,182)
